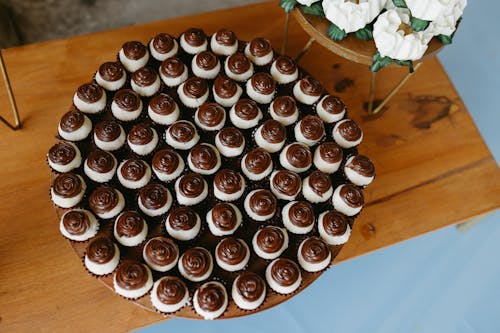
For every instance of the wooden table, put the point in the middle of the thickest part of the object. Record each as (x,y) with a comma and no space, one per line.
(433,168)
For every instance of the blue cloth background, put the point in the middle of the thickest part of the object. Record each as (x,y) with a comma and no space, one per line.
(447,281)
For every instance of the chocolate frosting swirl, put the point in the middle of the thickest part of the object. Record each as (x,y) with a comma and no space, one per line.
(301,214)
(100,161)
(263,203)
(224,87)
(162,104)
(330,152)
(231,250)
(131,275)
(211,297)
(260,47)
(315,250)
(225,37)
(76,222)
(204,157)
(191,185)
(62,153)
(127,100)
(166,161)
(286,182)
(228,181)
(285,65)
(320,182)
(71,121)
(263,83)
(196,261)
(299,155)
(182,131)
(67,185)
(133,169)
(182,218)
(224,216)
(250,286)
(144,76)
(257,160)
(129,224)
(284,106)
(211,114)
(172,67)
(335,223)
(89,92)
(231,137)
(194,36)
(238,63)
(101,250)
(312,127)
(310,86)
(163,43)
(333,104)
(195,87)
(206,60)
(103,199)
(153,196)
(273,131)
(134,50)
(352,195)
(349,130)
(171,290)
(107,130)
(140,134)
(246,109)
(362,165)
(270,239)
(285,272)
(161,251)
(111,71)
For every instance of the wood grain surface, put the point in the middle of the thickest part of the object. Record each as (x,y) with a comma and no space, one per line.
(433,168)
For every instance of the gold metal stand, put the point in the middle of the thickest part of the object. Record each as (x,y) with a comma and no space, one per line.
(17,122)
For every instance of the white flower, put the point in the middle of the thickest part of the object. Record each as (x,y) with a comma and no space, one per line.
(429,10)
(447,22)
(352,15)
(394,37)
(307,2)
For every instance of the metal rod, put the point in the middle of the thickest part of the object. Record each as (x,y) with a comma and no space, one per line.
(17,121)
(285,33)
(371,97)
(304,50)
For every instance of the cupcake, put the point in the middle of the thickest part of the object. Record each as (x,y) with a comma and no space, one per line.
(309,130)
(359,170)
(314,255)
(260,205)
(67,190)
(145,81)
(74,126)
(106,202)
(89,98)
(223,219)
(169,294)
(167,165)
(230,142)
(183,223)
(173,72)
(193,41)
(204,159)
(317,187)
(163,109)
(348,199)
(130,229)
(132,280)
(238,67)
(205,65)
(327,157)
(163,46)
(210,300)
(347,133)
(111,76)
(226,91)
(100,166)
(245,114)
(142,139)
(78,225)
(102,256)
(195,264)
(261,88)
(298,217)
(260,51)
(134,173)
(257,164)
(249,291)
(126,105)
(210,117)
(191,189)
(193,92)
(308,90)
(161,254)
(330,109)
(296,157)
(232,254)
(285,184)
(154,200)
(284,70)
(228,185)
(109,135)
(283,276)
(284,109)
(182,135)
(224,42)
(270,242)
(64,157)
(133,55)
(271,136)
(333,227)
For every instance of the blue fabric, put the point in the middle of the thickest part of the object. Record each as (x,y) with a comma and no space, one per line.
(443,282)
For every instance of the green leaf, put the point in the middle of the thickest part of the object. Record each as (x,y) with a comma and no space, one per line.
(408,63)
(399,3)
(336,33)
(365,33)
(288,5)
(313,9)
(379,62)
(446,40)
(418,24)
